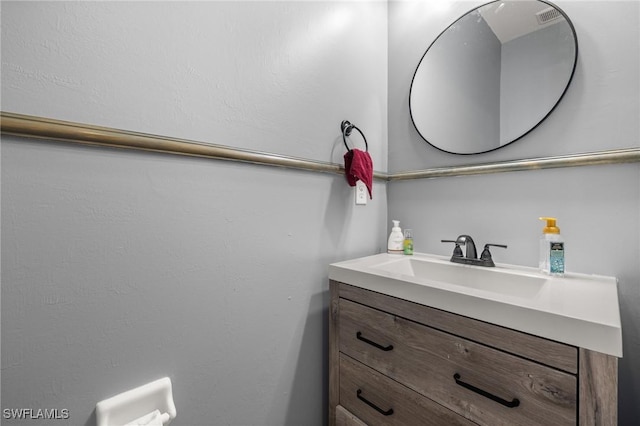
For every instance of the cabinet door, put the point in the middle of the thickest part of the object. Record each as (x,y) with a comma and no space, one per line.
(483,384)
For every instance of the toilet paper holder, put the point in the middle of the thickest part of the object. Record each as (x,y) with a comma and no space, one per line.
(137,406)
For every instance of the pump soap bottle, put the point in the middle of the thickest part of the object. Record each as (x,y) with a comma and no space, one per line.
(551,249)
(407,244)
(396,239)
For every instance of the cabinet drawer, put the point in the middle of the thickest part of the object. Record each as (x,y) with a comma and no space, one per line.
(345,418)
(554,354)
(378,400)
(485,385)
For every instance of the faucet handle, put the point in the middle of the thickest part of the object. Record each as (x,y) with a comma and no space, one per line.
(495,245)
(486,254)
(457,251)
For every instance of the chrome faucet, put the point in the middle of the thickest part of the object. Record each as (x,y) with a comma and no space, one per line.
(470,246)
(471,255)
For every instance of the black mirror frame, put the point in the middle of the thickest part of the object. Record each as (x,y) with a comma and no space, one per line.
(575,62)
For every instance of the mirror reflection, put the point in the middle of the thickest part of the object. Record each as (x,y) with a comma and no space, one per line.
(493,75)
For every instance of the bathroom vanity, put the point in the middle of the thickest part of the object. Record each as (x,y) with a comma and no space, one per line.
(418,340)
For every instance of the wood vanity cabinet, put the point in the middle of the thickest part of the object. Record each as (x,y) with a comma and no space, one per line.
(395,362)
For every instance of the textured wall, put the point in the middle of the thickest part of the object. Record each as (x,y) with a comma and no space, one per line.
(121,267)
(598,207)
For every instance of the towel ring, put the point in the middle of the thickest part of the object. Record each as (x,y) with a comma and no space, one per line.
(346,128)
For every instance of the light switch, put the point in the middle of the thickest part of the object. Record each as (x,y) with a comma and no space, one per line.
(361,193)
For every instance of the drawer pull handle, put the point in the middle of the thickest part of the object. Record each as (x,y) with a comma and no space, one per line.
(511,404)
(372,405)
(372,343)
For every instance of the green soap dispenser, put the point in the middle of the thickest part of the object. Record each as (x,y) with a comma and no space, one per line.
(551,259)
(408,242)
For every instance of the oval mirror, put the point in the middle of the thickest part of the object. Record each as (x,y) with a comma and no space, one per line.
(493,75)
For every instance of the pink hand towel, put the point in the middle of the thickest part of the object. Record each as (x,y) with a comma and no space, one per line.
(358,165)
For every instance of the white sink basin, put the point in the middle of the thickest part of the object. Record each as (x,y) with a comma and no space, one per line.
(500,280)
(576,309)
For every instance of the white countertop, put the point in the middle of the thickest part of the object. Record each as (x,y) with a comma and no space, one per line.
(577,309)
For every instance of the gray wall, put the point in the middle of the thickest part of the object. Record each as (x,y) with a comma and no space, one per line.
(121,267)
(598,207)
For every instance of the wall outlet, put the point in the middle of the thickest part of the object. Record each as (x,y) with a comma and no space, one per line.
(361,193)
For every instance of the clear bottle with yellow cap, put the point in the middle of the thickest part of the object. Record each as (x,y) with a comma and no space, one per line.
(551,249)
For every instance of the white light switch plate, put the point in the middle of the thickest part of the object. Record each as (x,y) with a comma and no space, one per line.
(361,193)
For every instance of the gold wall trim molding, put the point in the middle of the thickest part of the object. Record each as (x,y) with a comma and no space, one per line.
(84,134)
(618,156)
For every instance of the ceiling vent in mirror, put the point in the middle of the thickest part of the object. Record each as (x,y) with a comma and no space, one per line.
(547,15)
